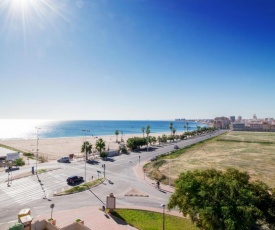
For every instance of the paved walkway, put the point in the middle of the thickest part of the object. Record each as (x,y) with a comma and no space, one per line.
(93,218)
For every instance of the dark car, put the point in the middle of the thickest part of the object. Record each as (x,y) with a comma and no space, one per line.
(74,179)
(176,147)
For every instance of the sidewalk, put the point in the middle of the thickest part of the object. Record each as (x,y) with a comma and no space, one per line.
(92,216)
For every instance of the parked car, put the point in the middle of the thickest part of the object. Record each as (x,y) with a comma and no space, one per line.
(176,147)
(64,160)
(74,179)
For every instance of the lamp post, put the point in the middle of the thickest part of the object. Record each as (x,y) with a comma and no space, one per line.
(169,169)
(104,166)
(121,136)
(85,130)
(52,206)
(163,217)
(10,167)
(37,129)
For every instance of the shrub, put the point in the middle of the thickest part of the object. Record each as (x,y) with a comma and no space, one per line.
(19,162)
(103,154)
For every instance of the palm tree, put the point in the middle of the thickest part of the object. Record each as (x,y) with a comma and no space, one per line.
(174,131)
(171,127)
(198,129)
(147,133)
(86,148)
(186,126)
(100,145)
(143,129)
(159,139)
(121,136)
(116,133)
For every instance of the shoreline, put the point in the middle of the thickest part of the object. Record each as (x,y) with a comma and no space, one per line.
(53,148)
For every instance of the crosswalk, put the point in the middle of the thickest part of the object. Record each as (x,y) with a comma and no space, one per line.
(19,192)
(45,185)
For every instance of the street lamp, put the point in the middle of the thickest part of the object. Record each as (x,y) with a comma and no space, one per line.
(52,206)
(9,171)
(169,168)
(37,129)
(10,167)
(85,130)
(104,166)
(163,217)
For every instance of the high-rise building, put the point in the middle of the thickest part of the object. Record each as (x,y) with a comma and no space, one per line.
(239,118)
(254,117)
(232,118)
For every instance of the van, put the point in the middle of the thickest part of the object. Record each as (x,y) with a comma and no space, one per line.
(64,160)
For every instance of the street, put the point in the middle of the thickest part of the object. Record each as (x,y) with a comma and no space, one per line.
(37,192)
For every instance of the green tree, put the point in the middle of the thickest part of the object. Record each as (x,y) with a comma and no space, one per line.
(159,139)
(171,127)
(223,200)
(198,129)
(154,140)
(135,142)
(164,138)
(19,162)
(147,131)
(143,130)
(116,133)
(88,146)
(100,145)
(174,131)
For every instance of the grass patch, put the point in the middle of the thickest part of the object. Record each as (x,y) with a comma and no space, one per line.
(30,155)
(158,163)
(252,152)
(82,187)
(41,170)
(146,220)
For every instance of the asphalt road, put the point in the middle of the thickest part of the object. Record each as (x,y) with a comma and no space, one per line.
(37,192)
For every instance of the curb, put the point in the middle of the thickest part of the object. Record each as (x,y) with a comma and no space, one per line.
(57,195)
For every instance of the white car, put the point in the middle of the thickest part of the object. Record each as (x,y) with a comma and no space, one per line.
(64,160)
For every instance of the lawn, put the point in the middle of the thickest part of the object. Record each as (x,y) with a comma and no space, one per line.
(145,220)
(253,152)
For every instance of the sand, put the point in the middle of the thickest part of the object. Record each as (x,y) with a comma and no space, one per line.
(53,148)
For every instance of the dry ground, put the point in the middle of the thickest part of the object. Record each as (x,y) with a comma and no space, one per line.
(258,159)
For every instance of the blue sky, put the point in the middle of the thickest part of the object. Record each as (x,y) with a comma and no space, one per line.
(136,59)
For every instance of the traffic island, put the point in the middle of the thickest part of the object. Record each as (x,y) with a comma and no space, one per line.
(80,188)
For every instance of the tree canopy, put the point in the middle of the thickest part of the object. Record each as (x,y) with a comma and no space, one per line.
(223,200)
(136,142)
(100,145)
(88,146)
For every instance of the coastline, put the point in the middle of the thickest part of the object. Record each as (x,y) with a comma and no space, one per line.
(53,148)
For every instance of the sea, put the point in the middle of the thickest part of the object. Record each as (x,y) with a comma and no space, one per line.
(31,129)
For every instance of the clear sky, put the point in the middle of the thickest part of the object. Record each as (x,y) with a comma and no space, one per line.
(136,59)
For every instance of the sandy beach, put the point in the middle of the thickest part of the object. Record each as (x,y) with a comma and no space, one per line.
(53,148)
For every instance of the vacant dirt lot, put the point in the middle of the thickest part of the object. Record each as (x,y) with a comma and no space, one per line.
(253,152)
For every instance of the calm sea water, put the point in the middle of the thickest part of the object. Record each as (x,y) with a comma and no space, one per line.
(26,129)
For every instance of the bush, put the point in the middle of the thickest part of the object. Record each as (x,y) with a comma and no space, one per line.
(28,154)
(19,162)
(103,155)
(123,150)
